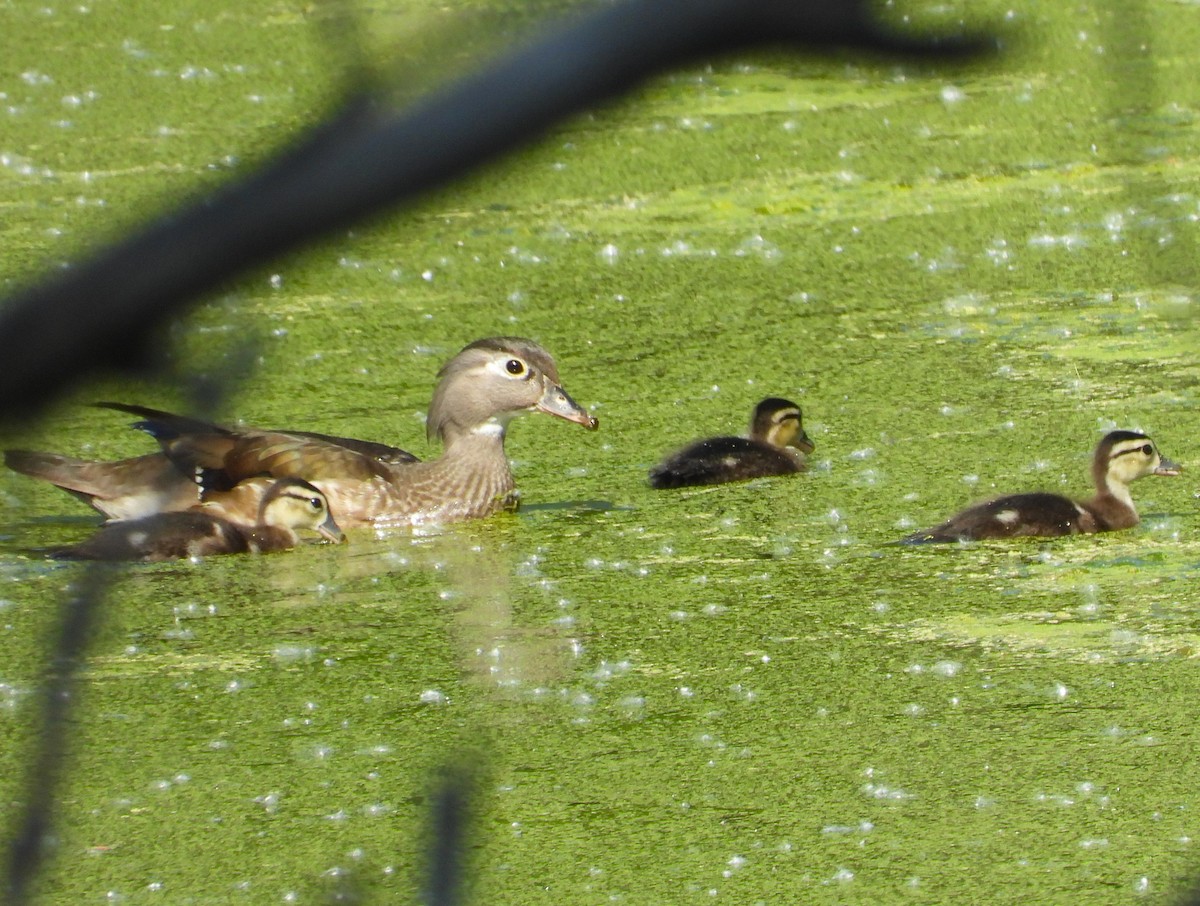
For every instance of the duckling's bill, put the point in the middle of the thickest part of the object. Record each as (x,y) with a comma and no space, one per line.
(1167,467)
(802,443)
(331,531)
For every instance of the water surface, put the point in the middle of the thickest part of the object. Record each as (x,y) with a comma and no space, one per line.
(746,694)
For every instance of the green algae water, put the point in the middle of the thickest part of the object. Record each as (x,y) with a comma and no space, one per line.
(746,694)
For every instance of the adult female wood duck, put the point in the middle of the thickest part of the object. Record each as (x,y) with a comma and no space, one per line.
(774,446)
(1121,457)
(222,526)
(480,390)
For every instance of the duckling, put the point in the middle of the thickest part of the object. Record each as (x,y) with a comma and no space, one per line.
(282,507)
(480,390)
(1121,457)
(776,434)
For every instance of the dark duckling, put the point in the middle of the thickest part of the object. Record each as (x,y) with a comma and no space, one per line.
(1121,458)
(774,447)
(277,510)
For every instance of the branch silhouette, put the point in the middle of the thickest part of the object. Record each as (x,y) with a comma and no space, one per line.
(100,313)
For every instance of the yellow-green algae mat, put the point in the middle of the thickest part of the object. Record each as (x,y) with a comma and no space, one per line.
(747,694)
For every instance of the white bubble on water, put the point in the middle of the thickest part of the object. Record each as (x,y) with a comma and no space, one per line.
(952,94)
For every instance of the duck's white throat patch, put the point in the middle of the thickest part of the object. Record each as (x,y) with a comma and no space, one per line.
(493,427)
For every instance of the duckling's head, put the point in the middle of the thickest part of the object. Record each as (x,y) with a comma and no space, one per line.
(777,421)
(491,381)
(1125,456)
(293,503)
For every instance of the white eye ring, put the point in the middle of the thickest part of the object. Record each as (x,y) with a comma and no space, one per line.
(511,367)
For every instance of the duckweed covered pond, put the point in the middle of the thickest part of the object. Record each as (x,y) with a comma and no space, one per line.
(745,694)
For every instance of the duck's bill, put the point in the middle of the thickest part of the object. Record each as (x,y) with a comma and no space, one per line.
(1168,467)
(331,531)
(556,401)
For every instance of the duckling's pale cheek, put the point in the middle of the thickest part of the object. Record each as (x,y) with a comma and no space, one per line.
(1130,470)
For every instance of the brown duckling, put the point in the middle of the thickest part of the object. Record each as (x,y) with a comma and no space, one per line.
(480,391)
(280,508)
(774,447)
(1121,458)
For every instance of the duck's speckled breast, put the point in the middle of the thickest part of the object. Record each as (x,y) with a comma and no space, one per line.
(449,489)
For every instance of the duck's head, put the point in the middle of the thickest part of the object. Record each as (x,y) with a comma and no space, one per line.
(493,380)
(778,422)
(1125,456)
(295,504)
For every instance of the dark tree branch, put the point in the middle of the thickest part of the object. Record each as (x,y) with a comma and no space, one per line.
(367,157)
(27,849)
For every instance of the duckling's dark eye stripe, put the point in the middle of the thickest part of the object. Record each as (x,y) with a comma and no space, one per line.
(1141,448)
(303,497)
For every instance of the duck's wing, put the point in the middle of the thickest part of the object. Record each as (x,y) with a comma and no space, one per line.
(164,422)
(384,453)
(718,460)
(1037,514)
(124,489)
(221,461)
(194,444)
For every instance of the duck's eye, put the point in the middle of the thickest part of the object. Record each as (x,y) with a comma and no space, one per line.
(1148,450)
(315,502)
(515,366)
